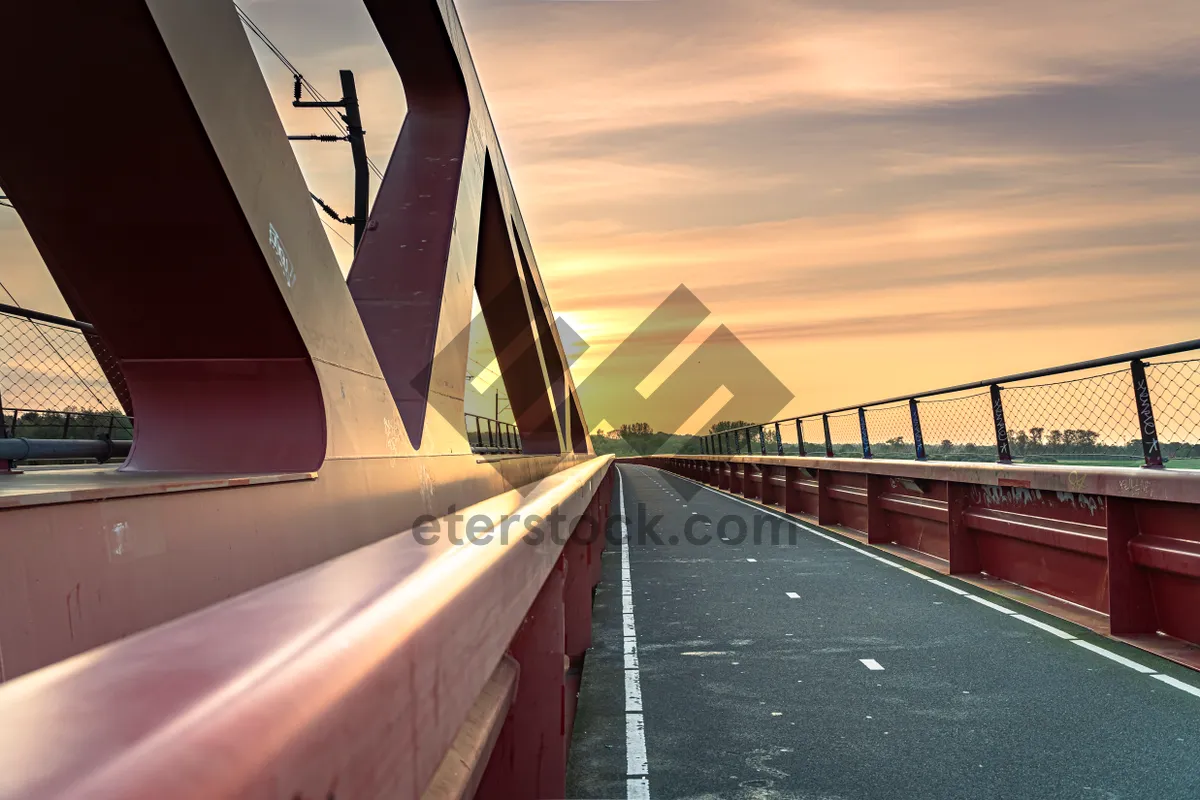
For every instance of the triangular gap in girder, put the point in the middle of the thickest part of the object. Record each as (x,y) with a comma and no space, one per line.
(504,304)
(547,336)
(486,395)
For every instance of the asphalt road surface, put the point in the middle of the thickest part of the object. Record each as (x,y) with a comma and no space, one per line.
(806,665)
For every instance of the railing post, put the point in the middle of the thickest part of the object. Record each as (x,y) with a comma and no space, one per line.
(1145,412)
(918,437)
(749,443)
(762,440)
(862,428)
(1002,450)
(67,425)
(828,441)
(478,433)
(778,439)
(800,435)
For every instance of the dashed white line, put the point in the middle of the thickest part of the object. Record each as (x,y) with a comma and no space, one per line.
(1141,668)
(1122,660)
(636,764)
(1047,628)
(637,789)
(752,560)
(1184,687)
(871,664)
(633,690)
(989,604)
(637,784)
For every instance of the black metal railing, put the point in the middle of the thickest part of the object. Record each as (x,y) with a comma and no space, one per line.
(492,436)
(1145,411)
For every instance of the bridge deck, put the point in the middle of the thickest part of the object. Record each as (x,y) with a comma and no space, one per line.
(749,691)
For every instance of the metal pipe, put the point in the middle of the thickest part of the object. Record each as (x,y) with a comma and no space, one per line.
(34,449)
(17,311)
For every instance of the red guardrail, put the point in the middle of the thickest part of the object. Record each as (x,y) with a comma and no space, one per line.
(401,669)
(1115,549)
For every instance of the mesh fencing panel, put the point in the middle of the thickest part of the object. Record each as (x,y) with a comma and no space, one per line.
(1175,395)
(958,428)
(814,436)
(845,434)
(890,431)
(50,367)
(1082,419)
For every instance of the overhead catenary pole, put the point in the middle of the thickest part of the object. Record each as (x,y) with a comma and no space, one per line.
(358,149)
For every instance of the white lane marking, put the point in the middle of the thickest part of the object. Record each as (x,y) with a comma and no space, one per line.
(1109,654)
(636,762)
(706,653)
(1060,633)
(631,655)
(1186,687)
(633,690)
(635,746)
(1009,612)
(752,560)
(871,664)
(947,586)
(989,604)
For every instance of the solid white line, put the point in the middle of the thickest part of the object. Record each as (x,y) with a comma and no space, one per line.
(1110,655)
(1186,687)
(871,664)
(793,595)
(637,767)
(989,604)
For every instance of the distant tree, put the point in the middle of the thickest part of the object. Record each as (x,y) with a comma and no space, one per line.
(1056,439)
(636,429)
(1035,436)
(728,425)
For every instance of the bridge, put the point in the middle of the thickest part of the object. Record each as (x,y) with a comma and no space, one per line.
(296,565)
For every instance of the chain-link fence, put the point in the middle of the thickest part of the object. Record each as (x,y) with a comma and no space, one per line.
(1143,411)
(52,385)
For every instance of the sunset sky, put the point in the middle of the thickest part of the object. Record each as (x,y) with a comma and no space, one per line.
(876,196)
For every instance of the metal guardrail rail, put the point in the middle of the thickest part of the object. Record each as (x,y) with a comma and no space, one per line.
(1136,411)
(387,671)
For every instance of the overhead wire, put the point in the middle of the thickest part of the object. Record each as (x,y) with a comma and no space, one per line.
(334,117)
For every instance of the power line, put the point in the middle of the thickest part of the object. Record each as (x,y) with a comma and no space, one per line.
(335,233)
(337,121)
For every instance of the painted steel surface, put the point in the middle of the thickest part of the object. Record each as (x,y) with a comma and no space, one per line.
(351,677)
